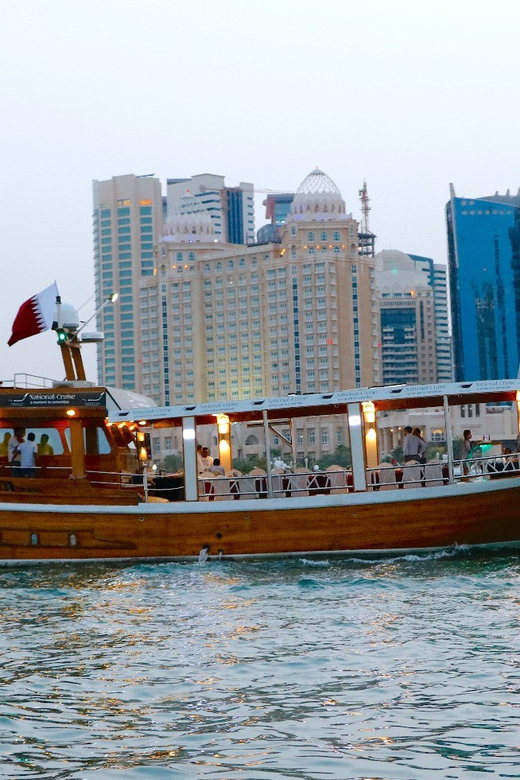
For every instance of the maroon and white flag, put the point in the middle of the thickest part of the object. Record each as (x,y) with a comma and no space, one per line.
(35,315)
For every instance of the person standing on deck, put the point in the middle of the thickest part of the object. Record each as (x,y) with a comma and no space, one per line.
(28,456)
(413,446)
(206,458)
(13,447)
(421,455)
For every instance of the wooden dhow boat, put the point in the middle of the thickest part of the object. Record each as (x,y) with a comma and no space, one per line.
(92,498)
(90,495)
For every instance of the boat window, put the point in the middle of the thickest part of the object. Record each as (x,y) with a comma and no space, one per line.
(48,440)
(94,439)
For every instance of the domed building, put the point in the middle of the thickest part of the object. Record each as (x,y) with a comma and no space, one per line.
(406,313)
(189,221)
(335,287)
(318,199)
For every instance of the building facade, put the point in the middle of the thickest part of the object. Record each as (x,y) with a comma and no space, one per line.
(437,275)
(222,322)
(232,209)
(407,319)
(127,223)
(209,320)
(484,276)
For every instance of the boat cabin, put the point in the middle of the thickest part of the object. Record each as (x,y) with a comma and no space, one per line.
(76,449)
(361,412)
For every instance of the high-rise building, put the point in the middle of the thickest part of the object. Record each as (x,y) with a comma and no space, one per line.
(220,321)
(232,209)
(407,318)
(484,276)
(436,274)
(127,225)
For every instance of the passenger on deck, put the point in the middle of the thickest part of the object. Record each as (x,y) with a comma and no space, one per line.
(44,448)
(200,463)
(4,444)
(206,458)
(28,456)
(16,440)
(468,448)
(423,446)
(216,468)
(413,446)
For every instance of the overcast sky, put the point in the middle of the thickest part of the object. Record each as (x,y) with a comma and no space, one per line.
(408,95)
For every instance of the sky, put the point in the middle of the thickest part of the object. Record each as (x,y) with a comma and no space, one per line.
(407,95)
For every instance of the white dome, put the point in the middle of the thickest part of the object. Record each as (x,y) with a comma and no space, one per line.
(396,273)
(189,221)
(317,182)
(318,198)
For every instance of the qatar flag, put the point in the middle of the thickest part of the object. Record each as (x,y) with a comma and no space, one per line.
(35,315)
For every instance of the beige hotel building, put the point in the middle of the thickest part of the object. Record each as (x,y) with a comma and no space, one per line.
(217,321)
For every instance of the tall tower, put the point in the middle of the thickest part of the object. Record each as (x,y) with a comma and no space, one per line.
(367,239)
(335,329)
(406,304)
(483,240)
(127,223)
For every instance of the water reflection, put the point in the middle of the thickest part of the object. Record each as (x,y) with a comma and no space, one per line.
(332,669)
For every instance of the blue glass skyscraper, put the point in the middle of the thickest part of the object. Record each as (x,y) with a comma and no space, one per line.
(484,274)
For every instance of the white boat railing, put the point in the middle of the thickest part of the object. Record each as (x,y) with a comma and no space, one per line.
(302,482)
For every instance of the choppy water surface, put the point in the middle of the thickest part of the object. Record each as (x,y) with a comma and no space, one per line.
(401,668)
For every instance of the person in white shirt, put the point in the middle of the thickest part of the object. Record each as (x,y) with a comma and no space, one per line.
(28,456)
(13,447)
(207,460)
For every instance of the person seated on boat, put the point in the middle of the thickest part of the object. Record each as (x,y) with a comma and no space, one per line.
(4,444)
(413,446)
(13,448)
(216,468)
(206,458)
(44,448)
(28,456)
(510,463)
(518,443)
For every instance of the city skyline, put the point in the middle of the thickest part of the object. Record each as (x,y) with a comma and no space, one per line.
(370,93)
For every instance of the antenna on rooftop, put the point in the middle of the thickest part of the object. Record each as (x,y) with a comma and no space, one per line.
(365,207)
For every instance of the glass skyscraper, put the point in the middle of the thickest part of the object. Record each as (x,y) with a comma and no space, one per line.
(484,273)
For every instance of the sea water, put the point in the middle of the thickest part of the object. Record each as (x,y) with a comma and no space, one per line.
(388,668)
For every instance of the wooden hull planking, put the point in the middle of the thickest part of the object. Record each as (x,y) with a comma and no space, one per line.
(374,521)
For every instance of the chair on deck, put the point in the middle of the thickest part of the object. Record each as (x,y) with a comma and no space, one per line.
(412,474)
(260,482)
(221,486)
(299,482)
(247,486)
(234,483)
(338,479)
(384,478)
(433,474)
(281,483)
(206,487)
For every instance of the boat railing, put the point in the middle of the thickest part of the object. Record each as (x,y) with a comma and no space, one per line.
(302,482)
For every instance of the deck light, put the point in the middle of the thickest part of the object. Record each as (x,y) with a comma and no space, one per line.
(71,412)
(369,411)
(223,424)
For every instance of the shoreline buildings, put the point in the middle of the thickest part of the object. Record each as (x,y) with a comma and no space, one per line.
(484,276)
(205,314)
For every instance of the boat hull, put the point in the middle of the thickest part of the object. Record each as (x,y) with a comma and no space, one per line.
(465,514)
